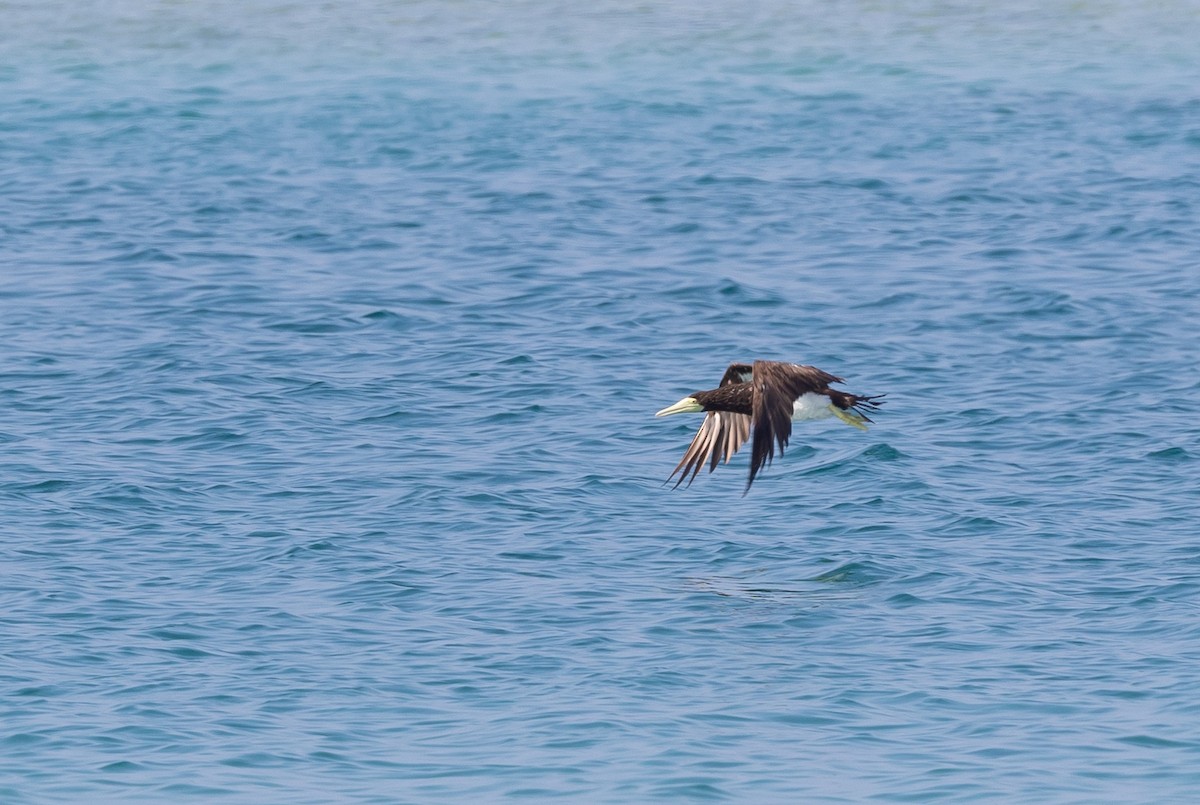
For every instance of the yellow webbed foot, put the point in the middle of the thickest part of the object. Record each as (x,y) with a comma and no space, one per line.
(849,417)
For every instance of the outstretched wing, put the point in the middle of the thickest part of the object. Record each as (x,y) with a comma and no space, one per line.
(720,434)
(776,387)
(737,373)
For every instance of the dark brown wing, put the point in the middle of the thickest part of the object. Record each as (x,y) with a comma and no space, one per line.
(737,373)
(721,433)
(776,387)
(719,436)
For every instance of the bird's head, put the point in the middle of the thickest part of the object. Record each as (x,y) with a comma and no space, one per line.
(688,405)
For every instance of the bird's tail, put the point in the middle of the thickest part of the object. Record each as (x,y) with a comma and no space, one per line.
(852,408)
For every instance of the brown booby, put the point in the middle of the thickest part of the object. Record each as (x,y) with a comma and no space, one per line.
(763,399)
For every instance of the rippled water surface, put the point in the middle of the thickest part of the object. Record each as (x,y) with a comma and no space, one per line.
(332,337)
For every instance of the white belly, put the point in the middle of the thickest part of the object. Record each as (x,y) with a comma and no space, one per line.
(811,406)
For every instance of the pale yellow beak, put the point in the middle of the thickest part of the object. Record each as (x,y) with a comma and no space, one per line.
(687,405)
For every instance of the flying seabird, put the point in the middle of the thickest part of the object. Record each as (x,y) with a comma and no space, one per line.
(765,398)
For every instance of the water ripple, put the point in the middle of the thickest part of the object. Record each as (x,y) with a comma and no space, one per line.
(332,352)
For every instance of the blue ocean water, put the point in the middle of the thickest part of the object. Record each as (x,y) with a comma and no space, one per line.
(332,337)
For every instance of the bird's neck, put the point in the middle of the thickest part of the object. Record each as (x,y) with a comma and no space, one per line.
(735,397)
